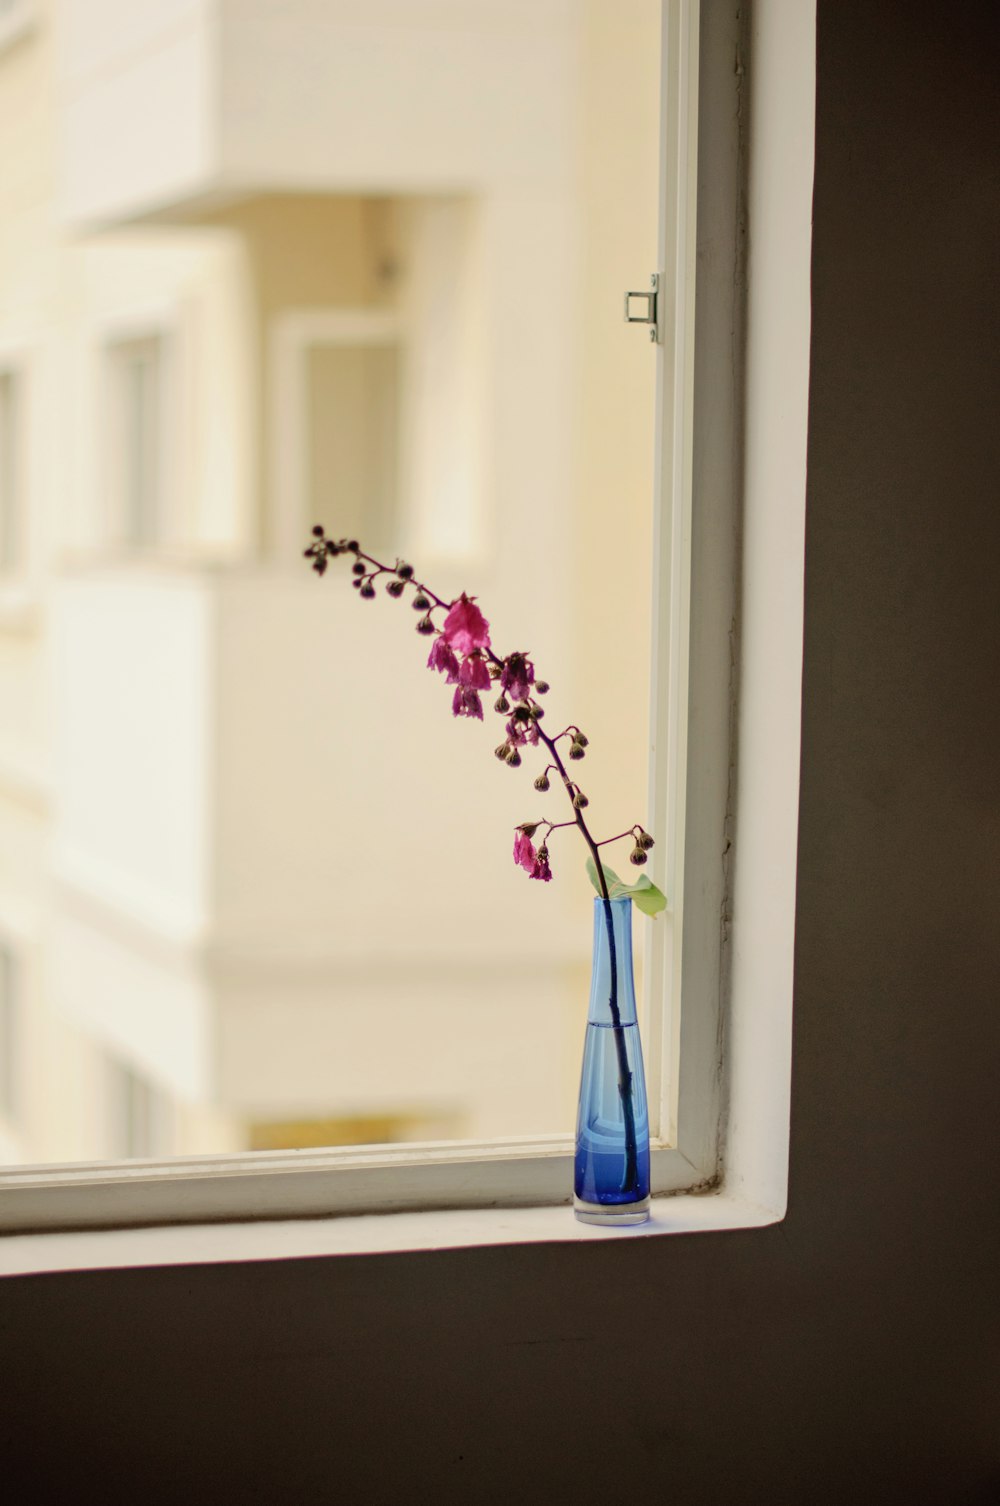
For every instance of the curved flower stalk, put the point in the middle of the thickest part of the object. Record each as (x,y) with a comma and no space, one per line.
(462,651)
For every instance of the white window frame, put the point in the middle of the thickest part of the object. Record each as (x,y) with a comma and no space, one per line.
(696,621)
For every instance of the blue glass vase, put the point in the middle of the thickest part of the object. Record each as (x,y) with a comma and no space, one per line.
(611,1181)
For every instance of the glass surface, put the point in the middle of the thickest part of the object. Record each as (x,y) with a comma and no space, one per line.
(612,1145)
(247,852)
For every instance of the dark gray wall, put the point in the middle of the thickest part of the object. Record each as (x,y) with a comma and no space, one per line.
(850,1354)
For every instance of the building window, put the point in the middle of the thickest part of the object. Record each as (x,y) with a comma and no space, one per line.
(9,1038)
(352,442)
(136,440)
(12,519)
(138,1114)
(337,409)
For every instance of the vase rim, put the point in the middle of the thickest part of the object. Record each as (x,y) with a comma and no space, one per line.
(615,899)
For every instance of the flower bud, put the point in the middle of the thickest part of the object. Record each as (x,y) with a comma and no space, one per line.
(319,565)
(575,751)
(358,567)
(542,783)
(578,737)
(529,828)
(425,625)
(501,752)
(405,572)
(501,704)
(644,840)
(541,687)
(536,713)
(522,714)
(356,583)
(367,590)
(637,856)
(317,531)
(580,801)
(353,545)
(513,758)
(420,602)
(542,854)
(396,587)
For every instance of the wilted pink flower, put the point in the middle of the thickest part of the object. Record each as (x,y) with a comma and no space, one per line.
(443,658)
(518,676)
(520,733)
(524,852)
(541,870)
(475,673)
(465,627)
(466,702)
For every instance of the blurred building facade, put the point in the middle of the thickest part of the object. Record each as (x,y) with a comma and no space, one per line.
(263,265)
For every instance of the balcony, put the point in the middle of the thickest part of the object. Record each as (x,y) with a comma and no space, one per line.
(168,105)
(227,805)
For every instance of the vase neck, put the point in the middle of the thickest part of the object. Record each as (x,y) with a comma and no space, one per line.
(611,970)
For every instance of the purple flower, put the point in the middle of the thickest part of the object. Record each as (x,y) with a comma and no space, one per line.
(541,869)
(465,628)
(520,733)
(518,676)
(443,658)
(474,673)
(466,702)
(524,852)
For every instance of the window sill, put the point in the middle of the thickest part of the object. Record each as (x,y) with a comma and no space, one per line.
(367,1234)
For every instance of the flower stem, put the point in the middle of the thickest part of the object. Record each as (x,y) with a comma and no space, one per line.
(630,1176)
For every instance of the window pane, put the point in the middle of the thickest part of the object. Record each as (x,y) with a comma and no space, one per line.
(274,881)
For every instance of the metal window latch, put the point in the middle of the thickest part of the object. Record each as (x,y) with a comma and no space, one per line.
(650,314)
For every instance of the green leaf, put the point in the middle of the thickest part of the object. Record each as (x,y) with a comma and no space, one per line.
(643,893)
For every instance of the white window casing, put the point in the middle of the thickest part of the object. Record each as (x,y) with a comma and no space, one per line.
(706,780)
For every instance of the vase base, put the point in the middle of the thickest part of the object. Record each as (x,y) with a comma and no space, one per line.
(611,1213)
